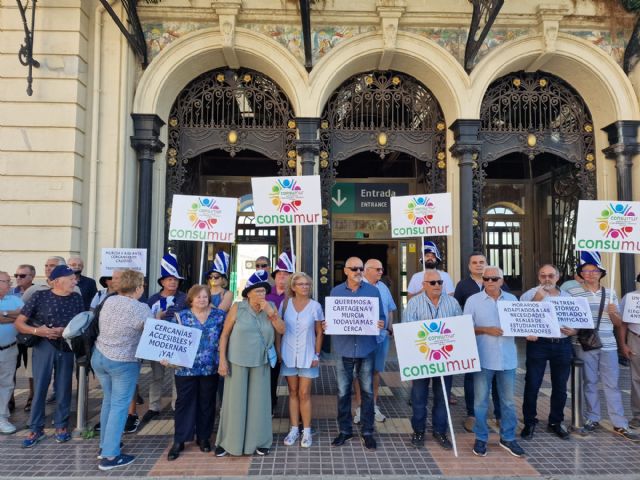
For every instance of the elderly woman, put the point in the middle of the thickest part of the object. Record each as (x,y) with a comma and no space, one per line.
(121,323)
(247,336)
(218,276)
(601,364)
(300,351)
(196,386)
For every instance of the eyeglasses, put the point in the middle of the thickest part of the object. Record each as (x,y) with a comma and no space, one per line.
(215,277)
(21,275)
(551,275)
(262,265)
(491,279)
(377,269)
(5,281)
(355,269)
(305,284)
(589,272)
(433,282)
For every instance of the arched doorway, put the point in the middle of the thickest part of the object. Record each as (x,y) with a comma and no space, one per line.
(225,127)
(537,160)
(381,134)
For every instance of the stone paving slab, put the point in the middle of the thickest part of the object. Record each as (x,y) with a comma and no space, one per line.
(599,455)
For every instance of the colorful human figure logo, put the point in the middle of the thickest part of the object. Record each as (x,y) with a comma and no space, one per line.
(617,221)
(287,195)
(435,341)
(420,210)
(204,213)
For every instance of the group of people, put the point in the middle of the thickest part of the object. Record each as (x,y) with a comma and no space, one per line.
(277,330)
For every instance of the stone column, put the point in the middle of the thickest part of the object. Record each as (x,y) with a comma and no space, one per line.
(308,146)
(145,141)
(623,145)
(465,148)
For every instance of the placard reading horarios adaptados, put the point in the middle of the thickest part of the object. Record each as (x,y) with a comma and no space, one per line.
(434,348)
(524,319)
(287,200)
(421,215)
(572,312)
(162,340)
(352,315)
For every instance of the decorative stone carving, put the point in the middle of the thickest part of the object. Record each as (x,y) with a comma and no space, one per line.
(389,12)
(227,12)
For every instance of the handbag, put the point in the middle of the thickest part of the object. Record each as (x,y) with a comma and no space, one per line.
(271,351)
(588,337)
(28,340)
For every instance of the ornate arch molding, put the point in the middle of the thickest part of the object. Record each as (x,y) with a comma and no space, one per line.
(379,112)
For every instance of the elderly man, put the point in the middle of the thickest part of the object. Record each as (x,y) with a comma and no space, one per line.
(373,271)
(9,308)
(557,351)
(464,289)
(86,285)
(49,265)
(498,358)
(431,259)
(430,304)
(24,280)
(355,352)
(263,263)
(45,315)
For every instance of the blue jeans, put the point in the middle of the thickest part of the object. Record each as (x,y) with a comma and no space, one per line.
(559,356)
(46,357)
(364,372)
(602,365)
(118,381)
(419,401)
(505,381)
(469,396)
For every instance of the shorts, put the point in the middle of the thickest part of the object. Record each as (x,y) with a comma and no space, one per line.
(311,372)
(381,355)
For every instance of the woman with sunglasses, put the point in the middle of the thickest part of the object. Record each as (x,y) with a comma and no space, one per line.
(300,352)
(218,277)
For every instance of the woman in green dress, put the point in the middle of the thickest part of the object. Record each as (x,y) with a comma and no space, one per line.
(248,334)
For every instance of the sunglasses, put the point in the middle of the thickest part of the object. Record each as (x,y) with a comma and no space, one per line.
(434,282)
(491,279)
(262,265)
(355,269)
(215,277)
(377,269)
(21,275)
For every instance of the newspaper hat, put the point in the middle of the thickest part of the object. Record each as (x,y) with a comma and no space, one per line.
(260,279)
(430,247)
(286,263)
(220,264)
(590,258)
(169,267)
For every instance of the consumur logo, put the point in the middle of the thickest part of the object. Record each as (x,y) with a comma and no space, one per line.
(286,195)
(617,221)
(420,211)
(435,341)
(204,213)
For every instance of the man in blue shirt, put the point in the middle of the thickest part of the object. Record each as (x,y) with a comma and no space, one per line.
(355,351)
(498,358)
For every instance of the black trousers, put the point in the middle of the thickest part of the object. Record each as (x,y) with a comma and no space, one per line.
(275,375)
(195,407)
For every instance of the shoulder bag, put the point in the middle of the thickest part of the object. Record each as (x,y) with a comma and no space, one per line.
(588,337)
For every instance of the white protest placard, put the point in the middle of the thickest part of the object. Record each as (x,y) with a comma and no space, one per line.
(129,258)
(631,312)
(163,340)
(522,319)
(572,312)
(435,348)
(608,226)
(352,315)
(203,219)
(287,200)
(421,215)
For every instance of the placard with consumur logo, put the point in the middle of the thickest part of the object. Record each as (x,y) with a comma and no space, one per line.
(421,215)
(280,201)
(203,219)
(436,348)
(608,226)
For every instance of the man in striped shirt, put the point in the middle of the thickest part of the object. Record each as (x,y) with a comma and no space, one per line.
(429,304)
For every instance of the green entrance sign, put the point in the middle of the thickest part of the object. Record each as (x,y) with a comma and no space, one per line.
(343,198)
(365,197)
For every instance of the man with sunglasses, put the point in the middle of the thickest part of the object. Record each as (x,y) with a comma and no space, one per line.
(263,263)
(430,304)
(24,279)
(355,352)
(498,358)
(557,351)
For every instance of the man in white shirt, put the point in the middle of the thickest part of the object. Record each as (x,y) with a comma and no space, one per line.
(432,259)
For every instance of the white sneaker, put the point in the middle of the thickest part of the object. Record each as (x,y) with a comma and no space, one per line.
(292,437)
(379,416)
(6,427)
(306,441)
(356,417)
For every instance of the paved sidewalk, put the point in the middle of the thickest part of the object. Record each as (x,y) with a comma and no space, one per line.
(600,454)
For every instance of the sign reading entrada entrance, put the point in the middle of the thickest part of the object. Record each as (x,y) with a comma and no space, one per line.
(365,197)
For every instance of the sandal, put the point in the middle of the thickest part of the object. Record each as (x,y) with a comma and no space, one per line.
(27,406)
